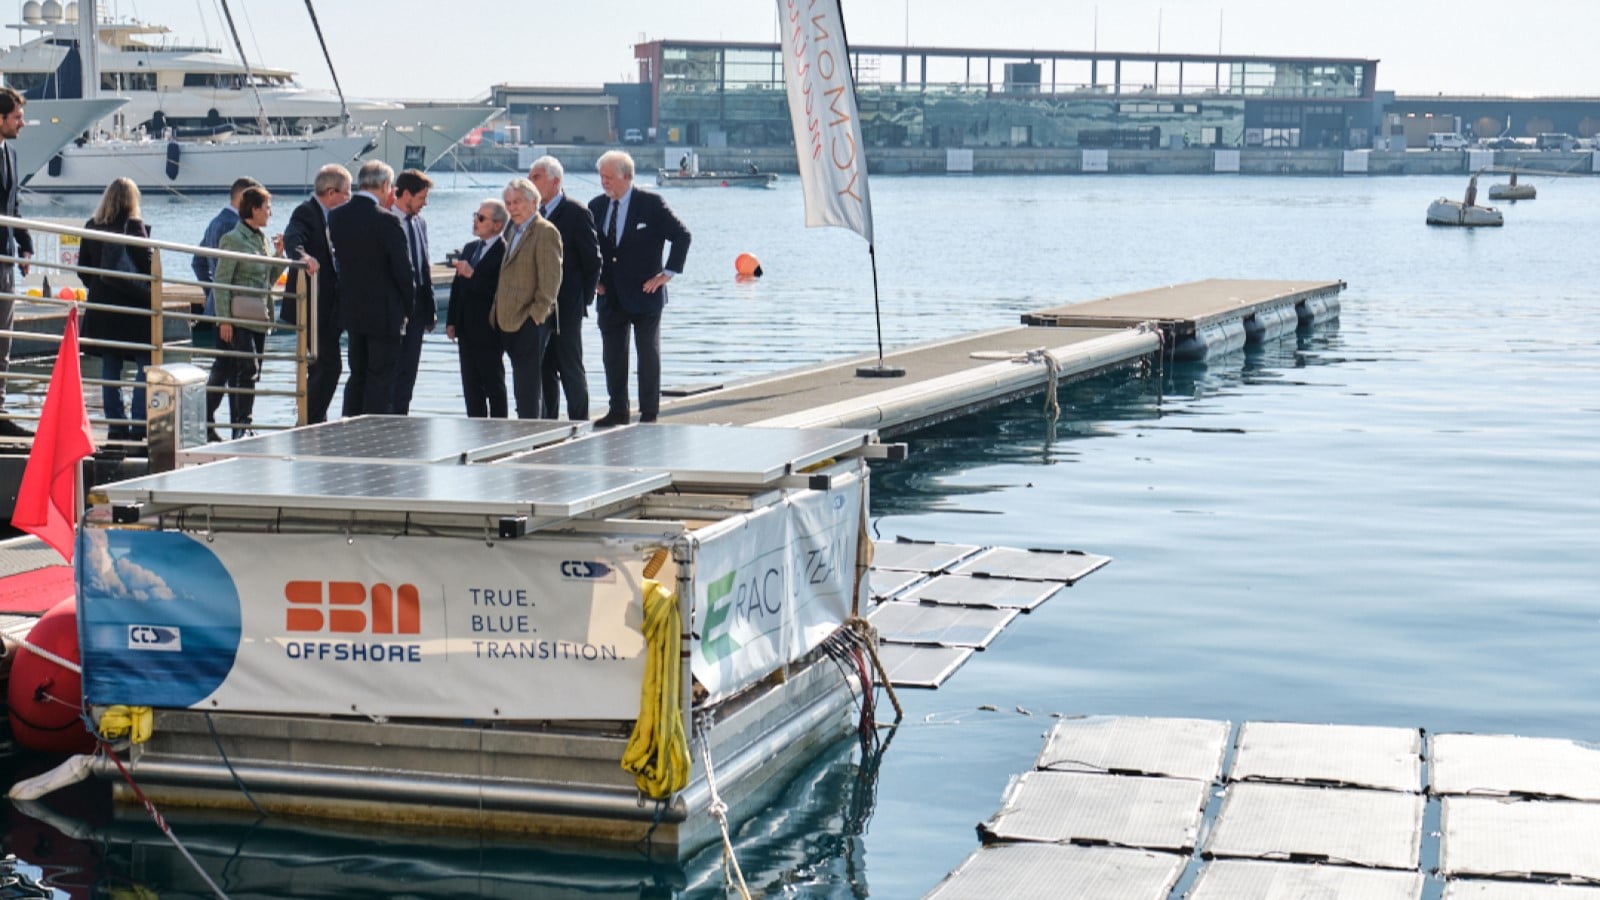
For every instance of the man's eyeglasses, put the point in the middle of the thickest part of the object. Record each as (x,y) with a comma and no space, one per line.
(479,217)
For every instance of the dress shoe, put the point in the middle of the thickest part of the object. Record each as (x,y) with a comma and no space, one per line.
(11,429)
(610,420)
(646,420)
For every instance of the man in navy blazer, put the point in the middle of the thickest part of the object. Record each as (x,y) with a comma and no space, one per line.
(307,237)
(634,226)
(410,196)
(470,318)
(13,241)
(375,287)
(580,272)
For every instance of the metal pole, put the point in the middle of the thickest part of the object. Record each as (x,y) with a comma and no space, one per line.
(880,370)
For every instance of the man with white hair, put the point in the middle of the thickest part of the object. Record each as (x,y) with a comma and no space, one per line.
(525,300)
(375,287)
(580,272)
(634,226)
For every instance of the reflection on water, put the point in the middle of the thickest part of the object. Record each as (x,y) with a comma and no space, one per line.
(85,849)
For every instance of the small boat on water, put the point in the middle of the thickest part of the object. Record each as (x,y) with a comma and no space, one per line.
(689,174)
(1512,191)
(1464,213)
(669,178)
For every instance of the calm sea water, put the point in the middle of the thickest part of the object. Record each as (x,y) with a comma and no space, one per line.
(1392,520)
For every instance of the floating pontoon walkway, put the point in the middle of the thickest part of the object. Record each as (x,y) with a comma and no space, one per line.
(1132,809)
(957,376)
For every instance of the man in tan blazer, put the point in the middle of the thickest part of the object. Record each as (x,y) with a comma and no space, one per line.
(525,302)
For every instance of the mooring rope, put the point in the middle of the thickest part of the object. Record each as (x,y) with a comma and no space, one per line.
(719,811)
(1052,368)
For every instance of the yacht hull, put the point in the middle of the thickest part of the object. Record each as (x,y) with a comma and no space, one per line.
(186,168)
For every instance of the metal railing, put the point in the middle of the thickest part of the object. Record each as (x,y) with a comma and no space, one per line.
(161,347)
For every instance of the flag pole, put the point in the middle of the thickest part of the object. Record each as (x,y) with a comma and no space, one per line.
(881,370)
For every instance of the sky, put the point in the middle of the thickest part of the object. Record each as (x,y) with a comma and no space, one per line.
(431,49)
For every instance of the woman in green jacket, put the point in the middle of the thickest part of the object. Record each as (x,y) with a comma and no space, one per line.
(240,372)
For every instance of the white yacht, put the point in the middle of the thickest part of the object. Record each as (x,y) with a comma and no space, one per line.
(53,124)
(184,101)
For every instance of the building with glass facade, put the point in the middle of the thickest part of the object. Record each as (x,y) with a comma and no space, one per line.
(732,94)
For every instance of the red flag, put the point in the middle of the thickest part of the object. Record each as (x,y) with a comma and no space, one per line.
(48,501)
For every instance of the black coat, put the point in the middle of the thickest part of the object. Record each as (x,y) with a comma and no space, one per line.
(636,256)
(109,325)
(472,299)
(369,247)
(308,231)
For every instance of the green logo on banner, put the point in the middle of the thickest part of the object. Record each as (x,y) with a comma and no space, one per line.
(719,604)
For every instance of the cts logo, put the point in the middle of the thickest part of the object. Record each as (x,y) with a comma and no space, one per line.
(155,637)
(587,570)
(347,607)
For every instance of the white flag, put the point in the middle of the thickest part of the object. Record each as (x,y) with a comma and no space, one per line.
(822,106)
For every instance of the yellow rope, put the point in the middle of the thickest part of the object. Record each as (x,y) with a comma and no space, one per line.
(134,721)
(658,752)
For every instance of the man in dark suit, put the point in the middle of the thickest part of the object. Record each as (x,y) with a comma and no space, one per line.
(307,237)
(470,319)
(375,282)
(410,196)
(634,226)
(580,272)
(13,241)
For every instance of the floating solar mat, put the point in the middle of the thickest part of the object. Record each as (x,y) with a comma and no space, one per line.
(1124,811)
(1237,879)
(1347,755)
(1000,593)
(386,487)
(1532,839)
(919,556)
(887,583)
(1506,890)
(923,667)
(425,439)
(1504,764)
(1066,566)
(1179,748)
(943,626)
(1053,872)
(1306,824)
(704,454)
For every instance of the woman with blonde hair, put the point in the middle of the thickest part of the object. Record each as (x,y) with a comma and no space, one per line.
(118,213)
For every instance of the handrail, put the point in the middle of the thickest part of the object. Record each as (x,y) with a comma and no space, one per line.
(305,301)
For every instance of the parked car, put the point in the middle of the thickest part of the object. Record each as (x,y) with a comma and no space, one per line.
(1555,140)
(633,136)
(1501,143)
(1446,140)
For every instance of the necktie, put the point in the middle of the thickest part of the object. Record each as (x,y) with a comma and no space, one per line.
(418,264)
(611,227)
(477,255)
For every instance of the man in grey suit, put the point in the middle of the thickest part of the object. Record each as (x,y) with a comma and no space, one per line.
(635,226)
(375,287)
(580,271)
(13,242)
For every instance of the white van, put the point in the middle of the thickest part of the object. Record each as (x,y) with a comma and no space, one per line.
(1446,140)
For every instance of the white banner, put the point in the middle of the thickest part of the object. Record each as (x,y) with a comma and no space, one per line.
(822,106)
(773,586)
(427,627)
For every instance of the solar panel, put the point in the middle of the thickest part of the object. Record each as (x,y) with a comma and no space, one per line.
(704,454)
(386,487)
(427,439)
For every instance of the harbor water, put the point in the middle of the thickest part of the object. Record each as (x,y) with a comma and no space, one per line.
(1389,520)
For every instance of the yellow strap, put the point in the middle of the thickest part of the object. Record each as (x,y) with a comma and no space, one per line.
(658,751)
(135,721)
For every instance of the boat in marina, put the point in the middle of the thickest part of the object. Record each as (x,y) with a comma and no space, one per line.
(689,174)
(1512,190)
(189,101)
(1464,213)
(670,178)
(701,580)
(53,124)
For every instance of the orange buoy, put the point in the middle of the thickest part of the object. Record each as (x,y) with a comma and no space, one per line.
(45,697)
(747,265)
(66,293)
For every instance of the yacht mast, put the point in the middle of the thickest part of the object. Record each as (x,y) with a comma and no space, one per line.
(261,110)
(344,111)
